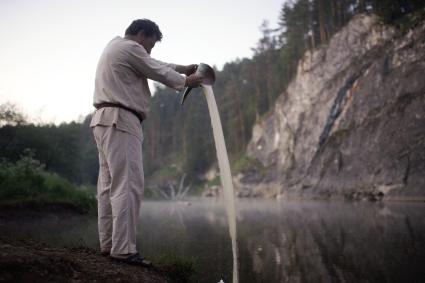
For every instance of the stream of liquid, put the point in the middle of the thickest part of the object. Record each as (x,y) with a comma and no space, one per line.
(225,174)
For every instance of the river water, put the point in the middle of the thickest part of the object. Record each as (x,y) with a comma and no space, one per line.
(277,241)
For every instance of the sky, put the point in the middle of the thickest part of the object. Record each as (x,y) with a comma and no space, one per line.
(50,49)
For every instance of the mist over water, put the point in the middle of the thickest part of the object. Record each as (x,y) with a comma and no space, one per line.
(225,174)
(278,241)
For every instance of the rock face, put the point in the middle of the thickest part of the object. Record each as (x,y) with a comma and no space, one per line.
(352,123)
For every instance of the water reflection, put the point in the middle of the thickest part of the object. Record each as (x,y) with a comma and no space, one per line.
(278,241)
(333,242)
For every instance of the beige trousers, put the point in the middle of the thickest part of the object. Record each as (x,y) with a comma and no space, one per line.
(120,188)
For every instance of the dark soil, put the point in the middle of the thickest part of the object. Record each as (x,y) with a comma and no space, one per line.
(31,261)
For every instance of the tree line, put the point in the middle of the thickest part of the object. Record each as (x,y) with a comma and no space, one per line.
(247,89)
(67,149)
(180,138)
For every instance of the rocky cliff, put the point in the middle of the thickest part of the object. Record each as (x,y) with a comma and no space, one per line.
(352,122)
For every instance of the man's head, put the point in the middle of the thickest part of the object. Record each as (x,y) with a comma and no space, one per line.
(144,32)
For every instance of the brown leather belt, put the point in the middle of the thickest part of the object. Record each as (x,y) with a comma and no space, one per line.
(140,116)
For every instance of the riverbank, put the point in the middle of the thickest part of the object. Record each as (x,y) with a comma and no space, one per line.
(32,261)
(24,258)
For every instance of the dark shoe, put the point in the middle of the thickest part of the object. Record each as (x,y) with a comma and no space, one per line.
(134,259)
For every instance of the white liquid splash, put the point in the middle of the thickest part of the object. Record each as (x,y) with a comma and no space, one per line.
(225,174)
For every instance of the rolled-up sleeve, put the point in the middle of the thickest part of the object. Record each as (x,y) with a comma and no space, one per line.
(154,69)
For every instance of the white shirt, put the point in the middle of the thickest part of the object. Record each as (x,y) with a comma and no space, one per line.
(122,78)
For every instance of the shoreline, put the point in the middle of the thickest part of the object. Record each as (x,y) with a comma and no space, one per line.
(27,260)
(31,259)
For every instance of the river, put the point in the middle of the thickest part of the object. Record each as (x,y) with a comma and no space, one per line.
(278,241)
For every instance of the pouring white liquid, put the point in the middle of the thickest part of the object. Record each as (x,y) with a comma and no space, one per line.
(225,174)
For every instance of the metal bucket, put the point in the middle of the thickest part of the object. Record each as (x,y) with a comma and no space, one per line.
(208,78)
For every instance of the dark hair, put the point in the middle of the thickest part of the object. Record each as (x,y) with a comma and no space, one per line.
(149,28)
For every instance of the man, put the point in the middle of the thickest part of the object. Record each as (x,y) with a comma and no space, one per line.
(122,98)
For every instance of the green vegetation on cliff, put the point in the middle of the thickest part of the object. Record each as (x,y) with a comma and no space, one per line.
(247,88)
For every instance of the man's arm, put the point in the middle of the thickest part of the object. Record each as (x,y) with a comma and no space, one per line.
(187,70)
(192,79)
(165,73)
(154,69)
(182,69)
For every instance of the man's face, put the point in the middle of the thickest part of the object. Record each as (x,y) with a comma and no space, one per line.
(148,42)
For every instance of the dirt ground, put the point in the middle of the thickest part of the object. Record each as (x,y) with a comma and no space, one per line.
(30,261)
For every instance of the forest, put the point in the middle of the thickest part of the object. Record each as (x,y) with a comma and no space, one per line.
(178,140)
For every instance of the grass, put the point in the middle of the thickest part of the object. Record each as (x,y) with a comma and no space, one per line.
(245,164)
(179,269)
(25,183)
(165,173)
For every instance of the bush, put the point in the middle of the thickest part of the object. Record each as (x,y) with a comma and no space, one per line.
(245,164)
(26,181)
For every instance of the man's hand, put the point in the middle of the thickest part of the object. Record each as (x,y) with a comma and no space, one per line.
(187,70)
(193,80)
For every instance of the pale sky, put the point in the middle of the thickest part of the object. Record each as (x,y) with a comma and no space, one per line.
(49,49)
